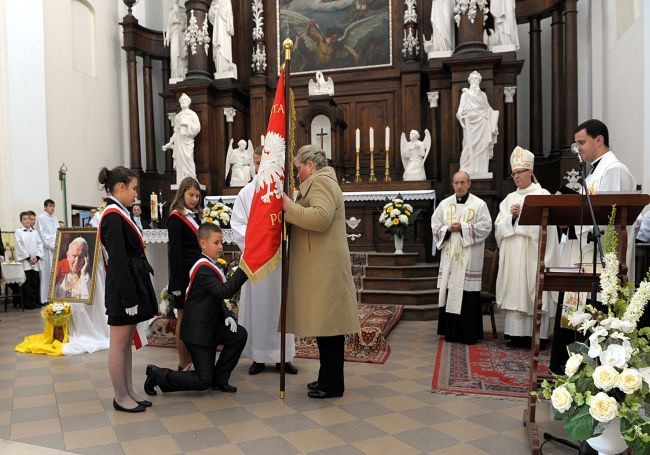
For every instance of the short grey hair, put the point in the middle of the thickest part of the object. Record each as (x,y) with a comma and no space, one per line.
(313,153)
(79,241)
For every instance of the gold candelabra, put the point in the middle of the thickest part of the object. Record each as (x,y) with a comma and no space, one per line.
(357,173)
(387,168)
(372,178)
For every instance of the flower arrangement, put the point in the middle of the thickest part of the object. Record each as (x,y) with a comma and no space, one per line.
(217,213)
(163,307)
(222,264)
(397,216)
(610,377)
(57,313)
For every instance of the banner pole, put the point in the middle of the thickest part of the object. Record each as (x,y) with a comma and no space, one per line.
(287,45)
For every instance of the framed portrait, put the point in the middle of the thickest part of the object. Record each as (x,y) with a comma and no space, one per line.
(335,35)
(74,269)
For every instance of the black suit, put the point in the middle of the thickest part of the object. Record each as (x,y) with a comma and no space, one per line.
(183,251)
(2,252)
(202,330)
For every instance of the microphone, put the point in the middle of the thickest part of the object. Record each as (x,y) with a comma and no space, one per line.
(576,149)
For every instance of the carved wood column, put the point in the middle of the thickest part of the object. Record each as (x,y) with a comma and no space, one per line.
(411,41)
(169,162)
(134,122)
(433,160)
(259,47)
(150,139)
(229,113)
(570,69)
(510,124)
(536,120)
(557,69)
(198,63)
(470,31)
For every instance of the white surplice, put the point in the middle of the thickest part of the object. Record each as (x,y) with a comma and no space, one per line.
(518,267)
(28,244)
(461,261)
(259,304)
(46,226)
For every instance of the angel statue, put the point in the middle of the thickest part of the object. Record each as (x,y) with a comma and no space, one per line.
(321,86)
(414,152)
(241,162)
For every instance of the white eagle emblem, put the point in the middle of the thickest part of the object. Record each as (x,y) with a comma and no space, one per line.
(271,171)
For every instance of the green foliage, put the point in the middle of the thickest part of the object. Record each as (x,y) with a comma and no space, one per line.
(610,240)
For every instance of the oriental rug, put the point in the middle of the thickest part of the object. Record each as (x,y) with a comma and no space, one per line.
(486,368)
(370,344)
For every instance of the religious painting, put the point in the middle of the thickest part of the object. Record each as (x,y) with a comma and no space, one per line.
(331,35)
(74,271)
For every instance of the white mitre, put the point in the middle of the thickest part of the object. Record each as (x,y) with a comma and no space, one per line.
(522,159)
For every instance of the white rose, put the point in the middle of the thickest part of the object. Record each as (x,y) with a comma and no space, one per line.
(561,399)
(573,364)
(594,350)
(214,214)
(623,326)
(605,377)
(408,207)
(388,223)
(577,318)
(615,355)
(629,381)
(382,217)
(390,204)
(395,213)
(602,407)
(403,219)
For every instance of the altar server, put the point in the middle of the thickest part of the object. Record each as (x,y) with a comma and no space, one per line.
(259,304)
(29,251)
(130,297)
(46,226)
(460,225)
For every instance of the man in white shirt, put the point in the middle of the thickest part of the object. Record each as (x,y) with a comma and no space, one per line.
(29,251)
(46,226)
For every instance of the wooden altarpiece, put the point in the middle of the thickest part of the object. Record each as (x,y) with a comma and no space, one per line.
(569,210)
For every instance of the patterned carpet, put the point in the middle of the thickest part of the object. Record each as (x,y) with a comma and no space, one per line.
(486,368)
(368,346)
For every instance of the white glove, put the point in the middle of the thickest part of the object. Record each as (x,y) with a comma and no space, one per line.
(132,311)
(230,322)
(176,293)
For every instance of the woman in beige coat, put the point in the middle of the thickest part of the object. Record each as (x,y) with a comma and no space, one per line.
(321,298)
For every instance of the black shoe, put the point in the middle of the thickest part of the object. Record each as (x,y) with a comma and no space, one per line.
(256,368)
(145,403)
(226,388)
(289,368)
(317,393)
(150,382)
(313,385)
(138,408)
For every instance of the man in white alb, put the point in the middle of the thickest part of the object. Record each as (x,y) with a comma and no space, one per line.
(46,226)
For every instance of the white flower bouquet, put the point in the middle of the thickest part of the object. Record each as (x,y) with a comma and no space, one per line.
(396,216)
(217,213)
(610,376)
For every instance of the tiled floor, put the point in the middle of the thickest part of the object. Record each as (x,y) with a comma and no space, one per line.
(64,403)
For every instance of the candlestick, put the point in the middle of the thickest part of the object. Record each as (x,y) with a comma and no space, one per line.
(357,173)
(372,178)
(387,166)
(387,139)
(357,136)
(371,133)
(153,206)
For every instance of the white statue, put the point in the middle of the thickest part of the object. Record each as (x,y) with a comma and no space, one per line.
(221,17)
(504,37)
(186,127)
(414,152)
(442,40)
(174,38)
(321,86)
(241,160)
(480,129)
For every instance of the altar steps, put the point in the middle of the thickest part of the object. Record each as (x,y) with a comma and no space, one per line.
(398,279)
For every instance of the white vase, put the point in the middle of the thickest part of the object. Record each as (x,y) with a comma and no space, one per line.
(611,441)
(399,244)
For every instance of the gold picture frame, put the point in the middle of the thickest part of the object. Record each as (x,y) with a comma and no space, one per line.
(74,266)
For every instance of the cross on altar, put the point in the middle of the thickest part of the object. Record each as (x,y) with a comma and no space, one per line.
(322,135)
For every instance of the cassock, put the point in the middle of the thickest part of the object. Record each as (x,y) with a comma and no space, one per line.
(461,265)
(608,173)
(259,304)
(516,286)
(46,226)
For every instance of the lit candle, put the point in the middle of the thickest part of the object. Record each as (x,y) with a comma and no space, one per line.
(372,138)
(153,205)
(357,136)
(387,138)
(262,140)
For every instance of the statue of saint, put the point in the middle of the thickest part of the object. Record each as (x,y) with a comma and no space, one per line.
(504,37)
(480,129)
(240,161)
(441,43)
(186,127)
(221,17)
(414,152)
(321,86)
(174,38)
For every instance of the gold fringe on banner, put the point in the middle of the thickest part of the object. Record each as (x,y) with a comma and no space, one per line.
(263,271)
(292,142)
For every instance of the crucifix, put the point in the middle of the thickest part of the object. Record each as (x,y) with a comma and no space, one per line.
(322,135)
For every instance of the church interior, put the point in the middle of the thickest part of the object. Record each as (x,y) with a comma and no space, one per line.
(400,95)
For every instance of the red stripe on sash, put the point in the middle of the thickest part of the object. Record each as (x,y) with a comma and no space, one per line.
(195,268)
(187,220)
(130,222)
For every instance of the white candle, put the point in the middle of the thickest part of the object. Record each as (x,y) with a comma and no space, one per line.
(387,138)
(153,204)
(372,138)
(262,140)
(357,136)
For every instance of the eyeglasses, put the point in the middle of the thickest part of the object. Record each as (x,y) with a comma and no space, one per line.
(518,171)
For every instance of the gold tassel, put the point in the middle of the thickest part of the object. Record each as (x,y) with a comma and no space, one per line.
(292,142)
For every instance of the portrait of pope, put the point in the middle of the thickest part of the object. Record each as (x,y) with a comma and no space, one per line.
(73,277)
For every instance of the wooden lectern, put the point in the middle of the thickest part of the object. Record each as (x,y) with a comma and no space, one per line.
(569,210)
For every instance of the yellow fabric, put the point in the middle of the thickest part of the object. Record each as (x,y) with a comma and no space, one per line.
(44,343)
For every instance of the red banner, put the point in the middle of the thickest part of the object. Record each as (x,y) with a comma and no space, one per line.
(264,232)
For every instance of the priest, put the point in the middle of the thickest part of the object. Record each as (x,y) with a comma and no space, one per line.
(460,225)
(518,250)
